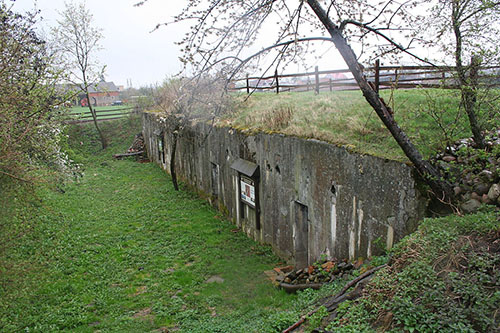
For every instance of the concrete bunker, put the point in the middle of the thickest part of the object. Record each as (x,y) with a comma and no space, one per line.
(305,197)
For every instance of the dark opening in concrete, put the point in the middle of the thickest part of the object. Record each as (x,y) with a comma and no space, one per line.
(301,241)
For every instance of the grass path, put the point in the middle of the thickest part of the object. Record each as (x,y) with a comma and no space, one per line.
(122,251)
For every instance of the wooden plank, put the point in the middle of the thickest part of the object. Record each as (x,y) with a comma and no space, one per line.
(88,115)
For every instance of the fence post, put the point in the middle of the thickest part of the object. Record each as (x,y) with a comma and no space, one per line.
(377,75)
(316,75)
(248,86)
(331,88)
(396,78)
(277,81)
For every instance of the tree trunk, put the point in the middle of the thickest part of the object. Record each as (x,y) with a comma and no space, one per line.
(172,160)
(469,98)
(440,187)
(104,143)
(468,85)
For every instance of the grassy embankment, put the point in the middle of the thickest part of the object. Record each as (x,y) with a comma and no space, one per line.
(345,118)
(445,277)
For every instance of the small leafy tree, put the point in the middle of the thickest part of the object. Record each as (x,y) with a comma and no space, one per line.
(29,123)
(77,41)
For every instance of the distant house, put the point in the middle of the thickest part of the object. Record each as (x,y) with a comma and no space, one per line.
(100,94)
(333,77)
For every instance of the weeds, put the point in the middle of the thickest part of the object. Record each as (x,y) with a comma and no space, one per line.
(443,278)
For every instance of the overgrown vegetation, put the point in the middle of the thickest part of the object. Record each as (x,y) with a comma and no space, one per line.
(429,116)
(442,278)
(29,130)
(153,259)
(163,259)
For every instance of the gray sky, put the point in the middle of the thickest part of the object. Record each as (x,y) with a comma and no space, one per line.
(131,51)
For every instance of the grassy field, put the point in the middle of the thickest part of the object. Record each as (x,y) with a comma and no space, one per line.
(121,251)
(344,118)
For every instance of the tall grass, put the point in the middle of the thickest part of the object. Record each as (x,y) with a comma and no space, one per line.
(429,116)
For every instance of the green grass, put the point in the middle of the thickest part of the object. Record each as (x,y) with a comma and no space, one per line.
(121,251)
(345,118)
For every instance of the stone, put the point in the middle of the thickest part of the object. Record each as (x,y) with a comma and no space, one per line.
(475,196)
(494,192)
(486,176)
(444,165)
(327,266)
(485,199)
(470,205)
(215,279)
(343,266)
(481,188)
(449,158)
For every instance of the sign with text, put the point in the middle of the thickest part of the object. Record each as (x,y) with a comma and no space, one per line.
(247,186)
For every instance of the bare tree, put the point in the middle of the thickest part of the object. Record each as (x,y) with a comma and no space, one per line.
(185,101)
(223,31)
(77,40)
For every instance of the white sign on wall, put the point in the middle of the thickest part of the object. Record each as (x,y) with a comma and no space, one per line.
(247,186)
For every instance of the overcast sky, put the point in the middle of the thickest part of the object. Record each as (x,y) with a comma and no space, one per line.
(131,51)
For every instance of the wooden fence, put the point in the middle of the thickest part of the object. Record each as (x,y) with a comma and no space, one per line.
(109,114)
(383,77)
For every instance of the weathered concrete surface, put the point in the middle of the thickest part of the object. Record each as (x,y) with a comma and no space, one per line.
(315,198)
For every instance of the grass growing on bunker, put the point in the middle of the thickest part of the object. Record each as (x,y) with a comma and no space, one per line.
(120,250)
(429,117)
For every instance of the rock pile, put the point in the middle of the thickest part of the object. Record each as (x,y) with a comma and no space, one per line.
(317,273)
(137,145)
(474,173)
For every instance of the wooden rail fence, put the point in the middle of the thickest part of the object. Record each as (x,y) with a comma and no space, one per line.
(383,77)
(108,114)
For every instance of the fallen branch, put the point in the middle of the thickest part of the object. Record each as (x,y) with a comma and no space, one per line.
(359,278)
(129,154)
(335,300)
(292,288)
(15,177)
